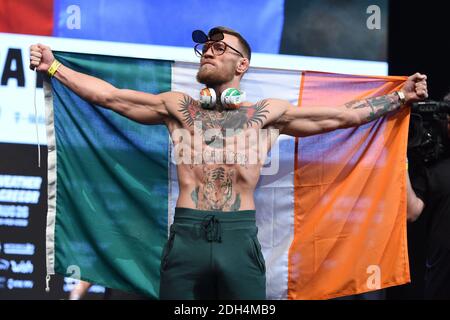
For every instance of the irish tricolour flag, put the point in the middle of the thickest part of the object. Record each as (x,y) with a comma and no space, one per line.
(331,208)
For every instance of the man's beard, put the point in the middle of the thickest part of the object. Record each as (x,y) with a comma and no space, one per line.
(213,77)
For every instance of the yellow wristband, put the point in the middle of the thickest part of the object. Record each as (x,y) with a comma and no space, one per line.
(53,68)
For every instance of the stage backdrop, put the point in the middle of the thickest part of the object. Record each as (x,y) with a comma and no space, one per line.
(351,29)
(331,208)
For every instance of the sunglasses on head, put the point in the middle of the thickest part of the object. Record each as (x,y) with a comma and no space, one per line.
(218,47)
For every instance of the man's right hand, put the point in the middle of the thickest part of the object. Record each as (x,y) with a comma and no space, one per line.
(41,57)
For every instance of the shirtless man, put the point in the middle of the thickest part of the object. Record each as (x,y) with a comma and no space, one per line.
(212,251)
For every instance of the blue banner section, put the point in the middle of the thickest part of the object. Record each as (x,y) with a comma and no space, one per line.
(162,22)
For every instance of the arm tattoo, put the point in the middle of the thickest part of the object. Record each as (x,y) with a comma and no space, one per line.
(377,106)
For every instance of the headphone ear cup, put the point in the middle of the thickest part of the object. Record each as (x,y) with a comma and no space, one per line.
(232,98)
(208,98)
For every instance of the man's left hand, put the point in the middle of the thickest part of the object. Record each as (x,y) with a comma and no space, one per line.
(415,88)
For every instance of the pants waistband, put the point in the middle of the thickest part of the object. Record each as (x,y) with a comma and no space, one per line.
(213,222)
(244,217)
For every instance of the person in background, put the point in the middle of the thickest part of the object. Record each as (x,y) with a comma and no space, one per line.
(428,194)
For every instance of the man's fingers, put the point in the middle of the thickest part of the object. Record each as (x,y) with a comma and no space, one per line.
(42,47)
(414,77)
(420,85)
(421,88)
(35,54)
(418,77)
(35,48)
(422,94)
(421,91)
(33,65)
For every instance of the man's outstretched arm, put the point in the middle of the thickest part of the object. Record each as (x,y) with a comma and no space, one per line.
(138,106)
(307,121)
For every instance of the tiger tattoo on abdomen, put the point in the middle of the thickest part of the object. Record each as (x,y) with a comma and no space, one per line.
(217,192)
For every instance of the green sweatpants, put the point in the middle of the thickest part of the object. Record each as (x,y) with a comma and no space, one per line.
(213,255)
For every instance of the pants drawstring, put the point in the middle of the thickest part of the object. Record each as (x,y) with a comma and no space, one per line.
(213,232)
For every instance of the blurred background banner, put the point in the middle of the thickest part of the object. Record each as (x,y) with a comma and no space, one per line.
(170,23)
(158,22)
(295,27)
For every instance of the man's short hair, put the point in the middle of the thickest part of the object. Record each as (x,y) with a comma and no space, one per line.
(242,41)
